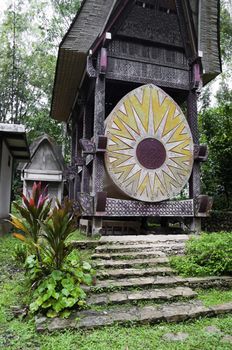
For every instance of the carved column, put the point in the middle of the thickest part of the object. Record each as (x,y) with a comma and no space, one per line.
(194,182)
(73,148)
(78,135)
(98,163)
(87,134)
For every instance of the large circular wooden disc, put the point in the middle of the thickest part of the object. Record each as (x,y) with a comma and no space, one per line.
(149,153)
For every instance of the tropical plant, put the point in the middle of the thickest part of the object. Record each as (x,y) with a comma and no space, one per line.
(55,232)
(59,293)
(64,272)
(55,270)
(20,253)
(32,212)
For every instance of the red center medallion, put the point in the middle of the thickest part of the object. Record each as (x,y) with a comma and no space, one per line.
(151,153)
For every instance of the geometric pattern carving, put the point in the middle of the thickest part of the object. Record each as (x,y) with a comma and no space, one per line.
(147,53)
(143,73)
(149,24)
(150,149)
(118,207)
(85,202)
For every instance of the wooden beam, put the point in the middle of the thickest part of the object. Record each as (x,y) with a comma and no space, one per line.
(98,129)
(87,133)
(195,181)
(99,117)
(19,149)
(187,30)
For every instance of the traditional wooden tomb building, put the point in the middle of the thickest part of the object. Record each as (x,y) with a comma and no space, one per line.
(124,69)
(47,166)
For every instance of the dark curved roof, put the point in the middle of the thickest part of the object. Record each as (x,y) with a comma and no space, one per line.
(88,25)
(56,149)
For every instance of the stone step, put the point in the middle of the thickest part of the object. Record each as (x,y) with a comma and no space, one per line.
(130,263)
(160,282)
(143,254)
(106,248)
(151,238)
(174,312)
(145,295)
(87,244)
(118,273)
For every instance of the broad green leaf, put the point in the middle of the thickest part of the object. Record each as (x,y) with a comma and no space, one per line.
(52,313)
(57,275)
(86,266)
(65,314)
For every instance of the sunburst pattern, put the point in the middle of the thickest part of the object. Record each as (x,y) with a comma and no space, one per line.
(150,149)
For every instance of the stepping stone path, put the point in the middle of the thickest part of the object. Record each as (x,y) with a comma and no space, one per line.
(213,330)
(135,284)
(227,339)
(175,336)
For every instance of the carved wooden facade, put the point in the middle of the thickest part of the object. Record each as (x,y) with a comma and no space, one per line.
(46,165)
(124,46)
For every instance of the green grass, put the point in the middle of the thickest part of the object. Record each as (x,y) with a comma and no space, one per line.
(214,296)
(206,255)
(17,334)
(81,236)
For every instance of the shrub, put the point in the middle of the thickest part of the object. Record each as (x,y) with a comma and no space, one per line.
(55,231)
(20,253)
(209,254)
(31,212)
(54,269)
(60,291)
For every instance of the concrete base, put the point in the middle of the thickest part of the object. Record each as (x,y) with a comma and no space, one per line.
(195,226)
(96,226)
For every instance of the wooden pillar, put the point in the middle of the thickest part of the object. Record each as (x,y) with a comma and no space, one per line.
(194,182)
(73,148)
(77,154)
(98,162)
(87,134)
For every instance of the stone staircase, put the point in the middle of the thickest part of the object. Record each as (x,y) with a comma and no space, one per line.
(134,283)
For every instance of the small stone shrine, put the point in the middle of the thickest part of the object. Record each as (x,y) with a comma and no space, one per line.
(127,81)
(46,166)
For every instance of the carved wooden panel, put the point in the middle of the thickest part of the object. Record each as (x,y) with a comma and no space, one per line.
(148,23)
(149,153)
(117,207)
(138,72)
(195,180)
(85,202)
(147,53)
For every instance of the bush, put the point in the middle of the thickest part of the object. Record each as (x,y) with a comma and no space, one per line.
(218,221)
(28,217)
(55,233)
(54,270)
(20,253)
(209,254)
(60,291)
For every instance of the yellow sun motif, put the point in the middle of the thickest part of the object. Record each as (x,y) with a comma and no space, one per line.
(150,148)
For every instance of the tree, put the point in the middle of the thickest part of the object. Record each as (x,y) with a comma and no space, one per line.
(216,127)
(30,33)
(226,34)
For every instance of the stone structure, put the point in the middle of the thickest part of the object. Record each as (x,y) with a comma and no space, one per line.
(124,69)
(13,146)
(46,165)
(124,281)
